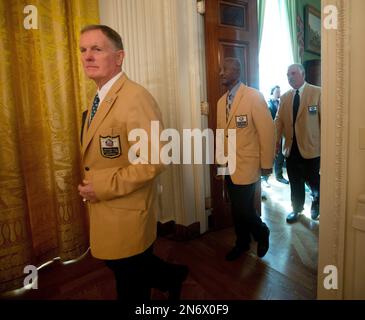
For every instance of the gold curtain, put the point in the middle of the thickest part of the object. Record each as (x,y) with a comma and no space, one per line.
(43,92)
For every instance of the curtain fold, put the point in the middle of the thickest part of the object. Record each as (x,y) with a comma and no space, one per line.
(42,94)
(290,7)
(261,9)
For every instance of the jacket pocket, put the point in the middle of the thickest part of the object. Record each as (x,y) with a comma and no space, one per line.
(250,153)
(137,200)
(126,202)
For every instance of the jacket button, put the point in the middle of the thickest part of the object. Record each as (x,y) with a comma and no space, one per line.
(87,168)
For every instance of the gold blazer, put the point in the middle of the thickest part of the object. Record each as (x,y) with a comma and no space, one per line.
(123,222)
(255,134)
(307,124)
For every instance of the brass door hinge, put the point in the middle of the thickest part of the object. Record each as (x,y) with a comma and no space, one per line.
(204,108)
(200,6)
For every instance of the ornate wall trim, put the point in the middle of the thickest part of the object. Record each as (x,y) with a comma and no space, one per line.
(334,160)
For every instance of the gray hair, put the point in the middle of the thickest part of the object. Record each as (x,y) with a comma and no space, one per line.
(111,34)
(299,66)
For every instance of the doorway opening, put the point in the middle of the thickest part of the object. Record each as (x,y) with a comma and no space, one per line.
(231,30)
(285,31)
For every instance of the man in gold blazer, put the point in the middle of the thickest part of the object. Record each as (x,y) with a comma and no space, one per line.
(244,109)
(298,121)
(120,190)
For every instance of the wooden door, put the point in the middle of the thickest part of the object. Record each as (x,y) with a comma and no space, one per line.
(230,31)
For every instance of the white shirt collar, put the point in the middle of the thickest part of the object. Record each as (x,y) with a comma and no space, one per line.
(106,87)
(301,89)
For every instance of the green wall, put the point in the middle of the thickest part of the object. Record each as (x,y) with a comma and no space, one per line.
(300,11)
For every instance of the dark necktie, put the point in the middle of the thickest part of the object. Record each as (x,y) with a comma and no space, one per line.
(94,108)
(294,150)
(296,104)
(228,106)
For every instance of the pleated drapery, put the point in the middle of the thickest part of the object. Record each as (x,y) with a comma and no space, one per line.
(43,92)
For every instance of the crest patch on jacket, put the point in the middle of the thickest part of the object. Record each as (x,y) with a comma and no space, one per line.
(241,121)
(313,109)
(110,146)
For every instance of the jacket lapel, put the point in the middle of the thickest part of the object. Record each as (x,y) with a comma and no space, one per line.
(221,119)
(102,111)
(236,102)
(84,117)
(303,103)
(289,100)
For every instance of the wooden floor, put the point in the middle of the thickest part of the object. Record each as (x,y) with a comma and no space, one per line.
(288,271)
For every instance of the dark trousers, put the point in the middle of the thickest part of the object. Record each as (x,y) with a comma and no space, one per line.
(245,219)
(301,171)
(136,275)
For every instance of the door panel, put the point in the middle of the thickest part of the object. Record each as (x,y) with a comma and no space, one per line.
(233,15)
(230,31)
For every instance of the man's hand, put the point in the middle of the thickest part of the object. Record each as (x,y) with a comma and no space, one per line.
(266,172)
(86,190)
